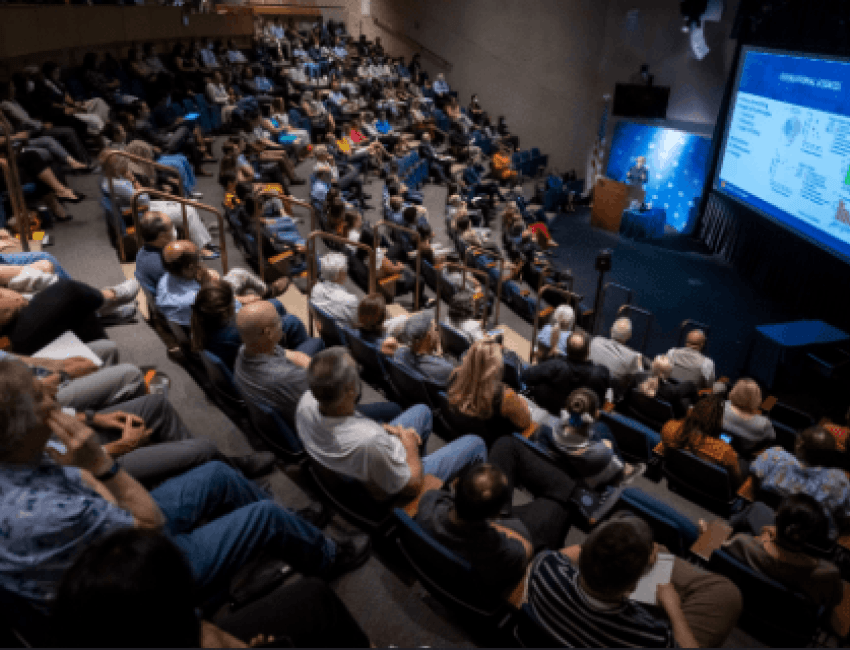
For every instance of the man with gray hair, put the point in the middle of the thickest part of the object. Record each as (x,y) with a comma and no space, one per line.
(622,362)
(330,296)
(690,364)
(385,458)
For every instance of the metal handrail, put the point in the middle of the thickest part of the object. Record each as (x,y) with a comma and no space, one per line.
(261,261)
(463,269)
(570,296)
(625,309)
(184,202)
(116,213)
(16,190)
(597,318)
(498,297)
(311,262)
(409,231)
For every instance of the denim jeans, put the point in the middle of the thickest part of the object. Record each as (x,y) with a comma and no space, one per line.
(246,522)
(295,334)
(380,412)
(22,259)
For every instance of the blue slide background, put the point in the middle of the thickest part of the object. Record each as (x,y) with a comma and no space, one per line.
(677,163)
(760,76)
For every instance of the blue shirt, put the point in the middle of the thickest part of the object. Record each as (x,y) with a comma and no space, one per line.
(781,473)
(209,58)
(149,268)
(47,515)
(545,335)
(175,297)
(319,190)
(440,87)
(383,126)
(262,83)
(340,51)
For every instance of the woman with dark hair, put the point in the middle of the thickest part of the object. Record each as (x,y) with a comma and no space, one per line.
(134,588)
(462,317)
(774,544)
(700,433)
(371,314)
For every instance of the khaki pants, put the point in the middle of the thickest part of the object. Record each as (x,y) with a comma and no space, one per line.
(711,603)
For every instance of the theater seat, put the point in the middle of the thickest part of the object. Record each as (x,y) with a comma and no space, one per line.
(704,482)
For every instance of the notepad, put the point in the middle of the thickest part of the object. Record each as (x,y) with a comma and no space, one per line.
(67,346)
(647,588)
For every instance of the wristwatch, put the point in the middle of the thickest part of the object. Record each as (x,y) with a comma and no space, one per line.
(110,473)
(90,417)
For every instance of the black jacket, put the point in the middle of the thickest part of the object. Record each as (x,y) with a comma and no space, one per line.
(552,381)
(679,395)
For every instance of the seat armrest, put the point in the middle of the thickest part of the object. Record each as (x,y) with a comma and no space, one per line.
(711,539)
(429,482)
(768,404)
(747,491)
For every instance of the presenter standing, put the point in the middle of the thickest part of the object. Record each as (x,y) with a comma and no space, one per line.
(637,178)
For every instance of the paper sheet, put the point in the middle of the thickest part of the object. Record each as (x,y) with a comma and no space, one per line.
(646,589)
(66,346)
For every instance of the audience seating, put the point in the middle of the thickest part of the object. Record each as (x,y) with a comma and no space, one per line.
(328,329)
(651,411)
(370,358)
(699,480)
(351,500)
(224,390)
(275,431)
(635,441)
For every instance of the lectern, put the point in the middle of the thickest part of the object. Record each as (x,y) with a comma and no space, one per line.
(610,198)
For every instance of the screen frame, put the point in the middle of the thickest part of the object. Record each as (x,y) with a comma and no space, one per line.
(716,186)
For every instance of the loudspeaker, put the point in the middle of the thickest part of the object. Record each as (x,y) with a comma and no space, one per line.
(603,261)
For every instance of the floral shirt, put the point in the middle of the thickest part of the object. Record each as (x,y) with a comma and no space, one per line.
(780,472)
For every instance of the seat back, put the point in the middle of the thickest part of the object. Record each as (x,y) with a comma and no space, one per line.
(350,498)
(772,613)
(700,479)
(445,575)
(454,342)
(429,274)
(274,430)
(635,440)
(366,354)
(665,530)
(329,330)
(651,411)
(221,378)
(408,385)
(182,336)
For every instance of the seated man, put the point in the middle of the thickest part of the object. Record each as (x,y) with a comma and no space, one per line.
(177,289)
(478,523)
(812,472)
(330,296)
(157,232)
(264,371)
(438,165)
(425,354)
(551,381)
(580,595)
(386,458)
(622,362)
(690,364)
(79,495)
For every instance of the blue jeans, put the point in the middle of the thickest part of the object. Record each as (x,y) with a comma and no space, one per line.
(295,334)
(250,522)
(22,259)
(450,460)
(380,412)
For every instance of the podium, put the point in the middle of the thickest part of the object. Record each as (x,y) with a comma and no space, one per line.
(610,198)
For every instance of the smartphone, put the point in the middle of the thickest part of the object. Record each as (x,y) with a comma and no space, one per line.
(725,437)
(191,116)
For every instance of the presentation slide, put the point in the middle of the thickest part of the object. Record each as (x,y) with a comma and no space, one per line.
(787,147)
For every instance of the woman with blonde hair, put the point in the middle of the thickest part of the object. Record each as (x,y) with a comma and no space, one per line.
(479,402)
(658,385)
(552,340)
(742,418)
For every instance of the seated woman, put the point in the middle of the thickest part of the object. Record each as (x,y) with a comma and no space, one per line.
(462,317)
(480,403)
(213,326)
(552,339)
(49,190)
(586,447)
(501,166)
(278,124)
(700,433)
(775,546)
(657,384)
(741,417)
(371,319)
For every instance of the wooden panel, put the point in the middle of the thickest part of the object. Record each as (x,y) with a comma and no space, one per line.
(610,198)
(97,25)
(138,26)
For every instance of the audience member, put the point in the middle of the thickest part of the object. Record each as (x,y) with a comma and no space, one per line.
(614,353)
(329,293)
(552,339)
(743,420)
(657,384)
(425,353)
(690,364)
(371,318)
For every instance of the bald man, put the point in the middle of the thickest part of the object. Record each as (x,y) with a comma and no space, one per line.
(690,364)
(614,353)
(265,372)
(185,274)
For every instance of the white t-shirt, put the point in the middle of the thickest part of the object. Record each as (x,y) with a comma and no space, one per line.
(353,446)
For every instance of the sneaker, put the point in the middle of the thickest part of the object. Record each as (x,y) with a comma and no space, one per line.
(118,316)
(124,293)
(351,552)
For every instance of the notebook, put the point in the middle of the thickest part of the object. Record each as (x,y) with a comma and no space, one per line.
(646,589)
(67,346)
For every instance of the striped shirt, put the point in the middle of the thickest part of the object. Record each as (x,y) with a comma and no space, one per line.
(569,615)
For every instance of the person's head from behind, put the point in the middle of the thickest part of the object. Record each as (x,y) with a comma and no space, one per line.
(746,396)
(475,381)
(816,447)
(563,320)
(481,494)
(462,222)
(25,404)
(334,268)
(578,347)
(182,258)
(212,310)
(621,330)
(426,137)
(334,381)
(157,229)
(462,306)
(133,584)
(421,330)
(260,327)
(425,232)
(660,370)
(799,520)
(695,340)
(580,410)
(614,557)
(410,216)
(371,313)
(705,419)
